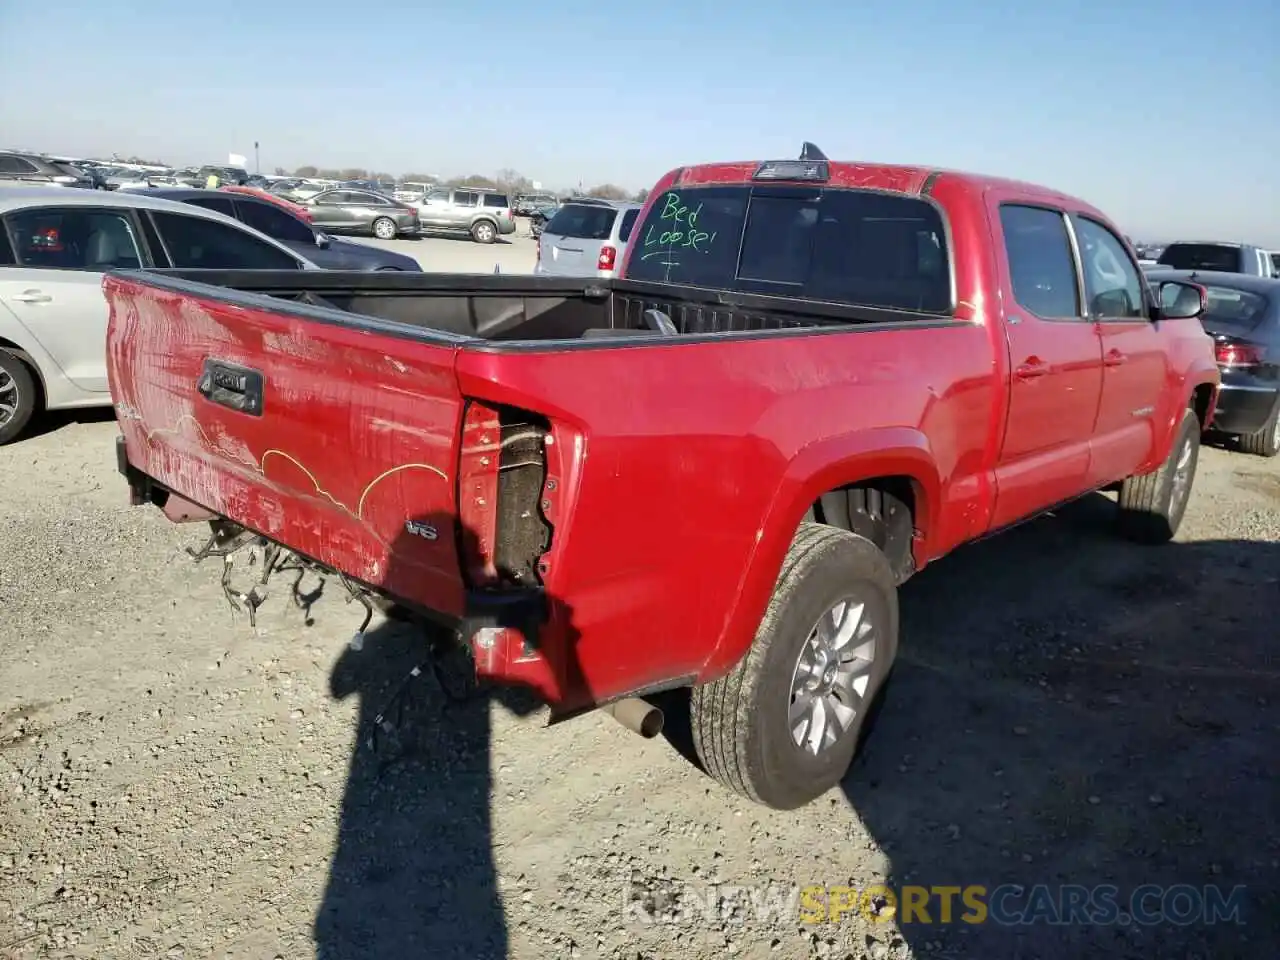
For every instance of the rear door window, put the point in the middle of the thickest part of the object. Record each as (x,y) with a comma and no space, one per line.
(74,239)
(197,243)
(464,198)
(496,200)
(1041,264)
(628,224)
(830,244)
(217,204)
(582,222)
(274,222)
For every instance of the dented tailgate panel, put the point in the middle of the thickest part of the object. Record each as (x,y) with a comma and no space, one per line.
(333,440)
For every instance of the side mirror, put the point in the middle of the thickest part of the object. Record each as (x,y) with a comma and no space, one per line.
(1182,301)
(322,240)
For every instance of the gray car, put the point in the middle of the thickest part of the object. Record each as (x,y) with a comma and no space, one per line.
(362,211)
(586,238)
(483,212)
(24,169)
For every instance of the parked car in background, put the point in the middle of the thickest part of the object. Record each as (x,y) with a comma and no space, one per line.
(411,191)
(24,169)
(225,174)
(1242,314)
(586,238)
(55,246)
(483,212)
(526,203)
(1219,257)
(363,211)
(279,220)
(300,190)
(1275,260)
(373,186)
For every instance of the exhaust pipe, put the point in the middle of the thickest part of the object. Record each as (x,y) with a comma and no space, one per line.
(636,715)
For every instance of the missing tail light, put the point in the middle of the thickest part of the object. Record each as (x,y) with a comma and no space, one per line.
(1230,354)
(608,257)
(502,470)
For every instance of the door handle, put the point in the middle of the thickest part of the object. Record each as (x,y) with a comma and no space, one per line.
(32,296)
(1114,358)
(1031,369)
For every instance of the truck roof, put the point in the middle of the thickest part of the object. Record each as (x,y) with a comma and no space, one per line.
(891,177)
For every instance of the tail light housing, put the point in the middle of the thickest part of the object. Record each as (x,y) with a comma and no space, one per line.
(608,257)
(502,469)
(1231,354)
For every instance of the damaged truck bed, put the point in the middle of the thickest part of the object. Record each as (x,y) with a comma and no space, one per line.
(434,438)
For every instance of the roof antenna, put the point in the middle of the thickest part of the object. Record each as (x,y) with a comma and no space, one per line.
(809,152)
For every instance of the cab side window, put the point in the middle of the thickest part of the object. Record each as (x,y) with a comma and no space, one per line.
(1111,281)
(1041,265)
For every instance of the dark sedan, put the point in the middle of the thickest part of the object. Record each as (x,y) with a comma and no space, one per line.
(363,211)
(277,222)
(1243,317)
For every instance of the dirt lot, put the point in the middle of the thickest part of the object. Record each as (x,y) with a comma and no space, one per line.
(1069,709)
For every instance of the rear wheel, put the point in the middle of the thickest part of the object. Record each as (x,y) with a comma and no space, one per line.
(1152,505)
(1266,442)
(782,728)
(18,400)
(384,228)
(482,231)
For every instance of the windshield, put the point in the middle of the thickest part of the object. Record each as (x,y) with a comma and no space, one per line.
(1233,311)
(1201,256)
(582,222)
(836,245)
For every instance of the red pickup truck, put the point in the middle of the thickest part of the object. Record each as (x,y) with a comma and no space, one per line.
(814,378)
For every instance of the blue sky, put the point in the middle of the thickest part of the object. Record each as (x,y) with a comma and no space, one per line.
(1163,114)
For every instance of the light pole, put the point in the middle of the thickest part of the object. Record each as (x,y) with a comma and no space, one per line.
(257,167)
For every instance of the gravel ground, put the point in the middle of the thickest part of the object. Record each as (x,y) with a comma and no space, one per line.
(1068,709)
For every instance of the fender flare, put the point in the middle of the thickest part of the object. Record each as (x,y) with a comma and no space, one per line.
(816,469)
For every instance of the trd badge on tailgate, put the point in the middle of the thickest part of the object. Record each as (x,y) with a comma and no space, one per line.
(424,530)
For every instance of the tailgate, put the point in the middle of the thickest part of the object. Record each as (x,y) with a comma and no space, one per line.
(336,440)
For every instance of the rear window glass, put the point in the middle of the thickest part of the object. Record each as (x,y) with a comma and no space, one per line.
(1201,256)
(1239,310)
(844,246)
(582,222)
(496,200)
(628,224)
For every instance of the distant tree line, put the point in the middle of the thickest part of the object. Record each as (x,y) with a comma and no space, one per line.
(507,180)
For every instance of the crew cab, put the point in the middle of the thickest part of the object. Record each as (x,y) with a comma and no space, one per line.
(812,379)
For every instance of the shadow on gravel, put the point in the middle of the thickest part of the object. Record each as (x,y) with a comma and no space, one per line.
(413,873)
(1071,709)
(57,419)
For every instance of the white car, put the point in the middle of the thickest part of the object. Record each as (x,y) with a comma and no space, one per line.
(55,245)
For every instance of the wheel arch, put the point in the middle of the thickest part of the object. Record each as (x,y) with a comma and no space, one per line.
(28,361)
(893,463)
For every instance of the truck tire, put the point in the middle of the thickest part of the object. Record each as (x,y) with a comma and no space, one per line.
(751,728)
(18,400)
(483,231)
(1152,504)
(1266,442)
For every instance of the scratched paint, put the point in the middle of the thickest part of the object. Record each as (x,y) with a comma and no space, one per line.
(308,471)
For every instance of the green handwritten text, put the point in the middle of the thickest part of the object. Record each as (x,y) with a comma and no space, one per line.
(677,228)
